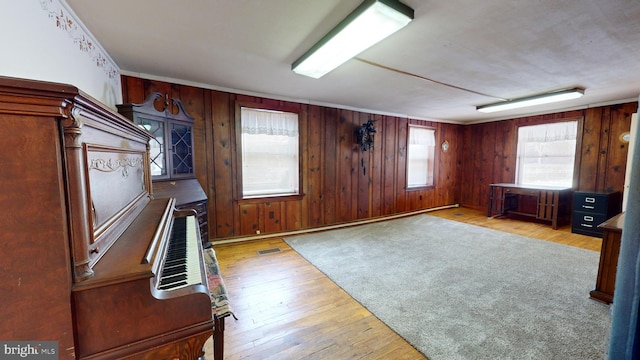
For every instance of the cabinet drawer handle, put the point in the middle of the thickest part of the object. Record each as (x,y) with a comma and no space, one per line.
(588,207)
(586,225)
(590,200)
(587,218)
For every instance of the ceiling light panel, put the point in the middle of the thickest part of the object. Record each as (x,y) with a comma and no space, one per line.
(368,24)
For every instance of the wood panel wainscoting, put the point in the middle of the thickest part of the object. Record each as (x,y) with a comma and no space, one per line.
(287,309)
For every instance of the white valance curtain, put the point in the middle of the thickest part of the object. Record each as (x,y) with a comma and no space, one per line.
(266,122)
(422,136)
(548,132)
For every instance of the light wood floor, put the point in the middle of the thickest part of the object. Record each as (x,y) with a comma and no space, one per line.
(287,309)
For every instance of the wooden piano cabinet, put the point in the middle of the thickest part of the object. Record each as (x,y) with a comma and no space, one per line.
(117,314)
(606,280)
(105,330)
(543,203)
(191,349)
(34,243)
(81,235)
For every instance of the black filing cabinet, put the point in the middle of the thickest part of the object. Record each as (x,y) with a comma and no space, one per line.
(591,209)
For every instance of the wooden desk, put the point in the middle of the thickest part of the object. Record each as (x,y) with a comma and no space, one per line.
(544,203)
(606,280)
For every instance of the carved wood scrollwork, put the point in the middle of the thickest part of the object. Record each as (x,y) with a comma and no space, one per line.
(111,165)
(72,127)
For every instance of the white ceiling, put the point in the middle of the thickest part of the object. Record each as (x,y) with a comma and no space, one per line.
(499,48)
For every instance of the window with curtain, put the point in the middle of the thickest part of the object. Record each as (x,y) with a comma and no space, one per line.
(546,154)
(270,146)
(420,156)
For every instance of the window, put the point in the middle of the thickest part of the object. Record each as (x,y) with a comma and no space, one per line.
(546,154)
(270,146)
(420,156)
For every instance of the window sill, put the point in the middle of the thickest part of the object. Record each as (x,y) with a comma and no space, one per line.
(416,188)
(274,198)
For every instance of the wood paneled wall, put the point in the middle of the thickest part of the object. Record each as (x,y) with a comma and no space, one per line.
(489,151)
(340,183)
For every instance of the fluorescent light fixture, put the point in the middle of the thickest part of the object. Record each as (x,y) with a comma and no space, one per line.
(546,98)
(369,23)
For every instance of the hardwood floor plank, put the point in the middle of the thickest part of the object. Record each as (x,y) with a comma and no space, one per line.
(287,309)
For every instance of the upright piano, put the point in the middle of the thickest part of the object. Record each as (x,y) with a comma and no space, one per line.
(88,257)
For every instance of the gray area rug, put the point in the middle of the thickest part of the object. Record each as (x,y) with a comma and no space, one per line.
(459,291)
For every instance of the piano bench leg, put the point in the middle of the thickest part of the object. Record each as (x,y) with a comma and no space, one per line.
(218,338)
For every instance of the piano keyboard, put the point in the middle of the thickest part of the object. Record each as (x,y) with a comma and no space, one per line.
(182,263)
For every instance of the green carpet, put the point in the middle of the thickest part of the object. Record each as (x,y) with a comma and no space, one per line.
(458,291)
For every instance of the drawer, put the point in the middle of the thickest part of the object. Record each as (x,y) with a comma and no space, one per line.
(590,202)
(587,223)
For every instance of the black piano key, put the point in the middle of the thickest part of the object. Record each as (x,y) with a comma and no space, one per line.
(173,262)
(173,278)
(172,285)
(174,270)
